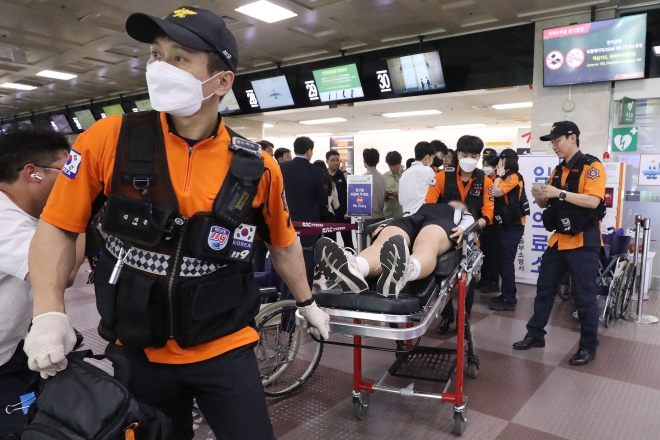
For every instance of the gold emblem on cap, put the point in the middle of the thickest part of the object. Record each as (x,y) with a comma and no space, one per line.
(553,128)
(181,13)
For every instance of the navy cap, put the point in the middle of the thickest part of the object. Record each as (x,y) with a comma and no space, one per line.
(489,152)
(508,154)
(191,27)
(561,128)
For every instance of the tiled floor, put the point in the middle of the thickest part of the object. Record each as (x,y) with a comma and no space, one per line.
(533,394)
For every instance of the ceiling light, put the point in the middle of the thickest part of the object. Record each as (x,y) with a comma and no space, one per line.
(458,127)
(656,51)
(266,11)
(268,125)
(514,105)
(17,86)
(322,121)
(387,130)
(314,134)
(414,113)
(56,75)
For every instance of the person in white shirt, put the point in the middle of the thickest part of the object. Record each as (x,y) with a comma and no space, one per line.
(30,161)
(430,232)
(417,179)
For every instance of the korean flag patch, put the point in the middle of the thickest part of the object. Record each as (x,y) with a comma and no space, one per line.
(244,232)
(72,164)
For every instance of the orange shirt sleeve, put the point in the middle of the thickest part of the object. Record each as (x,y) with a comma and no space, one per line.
(276,227)
(594,179)
(488,210)
(435,191)
(69,206)
(509,183)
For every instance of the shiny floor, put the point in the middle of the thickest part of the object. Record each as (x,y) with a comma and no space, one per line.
(533,394)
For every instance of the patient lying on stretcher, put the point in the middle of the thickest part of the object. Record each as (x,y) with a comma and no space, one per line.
(431,231)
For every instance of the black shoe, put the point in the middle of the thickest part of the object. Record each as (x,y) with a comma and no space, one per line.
(528,343)
(444,324)
(582,357)
(497,299)
(501,305)
(490,288)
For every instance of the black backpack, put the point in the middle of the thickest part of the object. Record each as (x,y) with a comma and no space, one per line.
(83,402)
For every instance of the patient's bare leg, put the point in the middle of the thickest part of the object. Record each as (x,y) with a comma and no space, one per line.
(372,253)
(431,242)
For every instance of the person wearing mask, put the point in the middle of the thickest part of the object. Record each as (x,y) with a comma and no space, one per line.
(511,210)
(409,162)
(30,161)
(392,207)
(180,309)
(471,186)
(371,157)
(306,195)
(415,182)
(489,237)
(574,205)
(267,146)
(282,155)
(441,151)
(331,191)
(333,160)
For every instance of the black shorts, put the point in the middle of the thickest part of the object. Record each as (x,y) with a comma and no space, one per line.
(429,214)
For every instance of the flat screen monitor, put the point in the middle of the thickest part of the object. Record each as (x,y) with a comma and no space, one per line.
(228,103)
(61,124)
(85,118)
(116,109)
(338,83)
(272,92)
(144,105)
(605,50)
(421,72)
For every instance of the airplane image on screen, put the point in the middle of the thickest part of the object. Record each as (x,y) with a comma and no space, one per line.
(274,94)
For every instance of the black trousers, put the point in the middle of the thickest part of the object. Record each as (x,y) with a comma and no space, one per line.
(448,311)
(227,388)
(582,263)
(509,239)
(489,243)
(308,244)
(15,377)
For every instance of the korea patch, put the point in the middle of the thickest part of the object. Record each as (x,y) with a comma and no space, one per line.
(70,168)
(218,238)
(593,173)
(432,182)
(245,232)
(566,222)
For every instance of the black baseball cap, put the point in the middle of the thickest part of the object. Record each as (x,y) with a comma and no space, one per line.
(191,27)
(561,128)
(489,152)
(508,154)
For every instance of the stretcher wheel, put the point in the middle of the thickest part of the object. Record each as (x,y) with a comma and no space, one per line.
(608,319)
(473,370)
(361,405)
(459,423)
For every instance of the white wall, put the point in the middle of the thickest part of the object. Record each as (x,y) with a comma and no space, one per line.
(403,142)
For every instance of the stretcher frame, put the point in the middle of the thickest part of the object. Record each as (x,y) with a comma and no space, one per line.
(416,325)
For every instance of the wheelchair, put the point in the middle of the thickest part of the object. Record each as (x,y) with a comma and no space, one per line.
(404,320)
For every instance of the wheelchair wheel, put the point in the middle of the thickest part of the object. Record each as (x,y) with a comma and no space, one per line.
(564,290)
(287,356)
(625,290)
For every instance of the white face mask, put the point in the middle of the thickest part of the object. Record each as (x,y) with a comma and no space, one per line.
(488,170)
(174,91)
(468,165)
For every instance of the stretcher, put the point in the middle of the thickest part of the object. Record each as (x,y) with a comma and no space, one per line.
(406,319)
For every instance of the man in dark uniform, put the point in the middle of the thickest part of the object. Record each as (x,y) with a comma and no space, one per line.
(340,178)
(574,202)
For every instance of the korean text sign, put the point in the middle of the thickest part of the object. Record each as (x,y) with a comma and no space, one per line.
(360,189)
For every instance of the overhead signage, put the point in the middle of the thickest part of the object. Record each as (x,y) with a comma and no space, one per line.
(338,83)
(624,140)
(360,189)
(628,111)
(252,98)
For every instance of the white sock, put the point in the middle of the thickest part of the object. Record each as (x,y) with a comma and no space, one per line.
(363,265)
(417,269)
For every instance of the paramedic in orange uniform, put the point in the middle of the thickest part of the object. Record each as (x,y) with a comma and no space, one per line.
(574,205)
(205,353)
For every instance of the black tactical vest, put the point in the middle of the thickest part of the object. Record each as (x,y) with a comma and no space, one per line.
(475,198)
(187,279)
(564,217)
(518,205)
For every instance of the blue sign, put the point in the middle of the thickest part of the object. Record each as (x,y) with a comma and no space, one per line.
(360,189)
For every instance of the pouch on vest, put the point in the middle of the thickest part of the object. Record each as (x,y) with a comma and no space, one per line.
(211,240)
(135,221)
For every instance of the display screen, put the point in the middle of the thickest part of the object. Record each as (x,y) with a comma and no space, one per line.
(598,51)
(85,118)
(228,103)
(416,73)
(272,92)
(337,83)
(144,105)
(116,109)
(61,124)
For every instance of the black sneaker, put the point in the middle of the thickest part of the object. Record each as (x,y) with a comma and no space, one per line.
(339,266)
(497,299)
(501,305)
(396,266)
